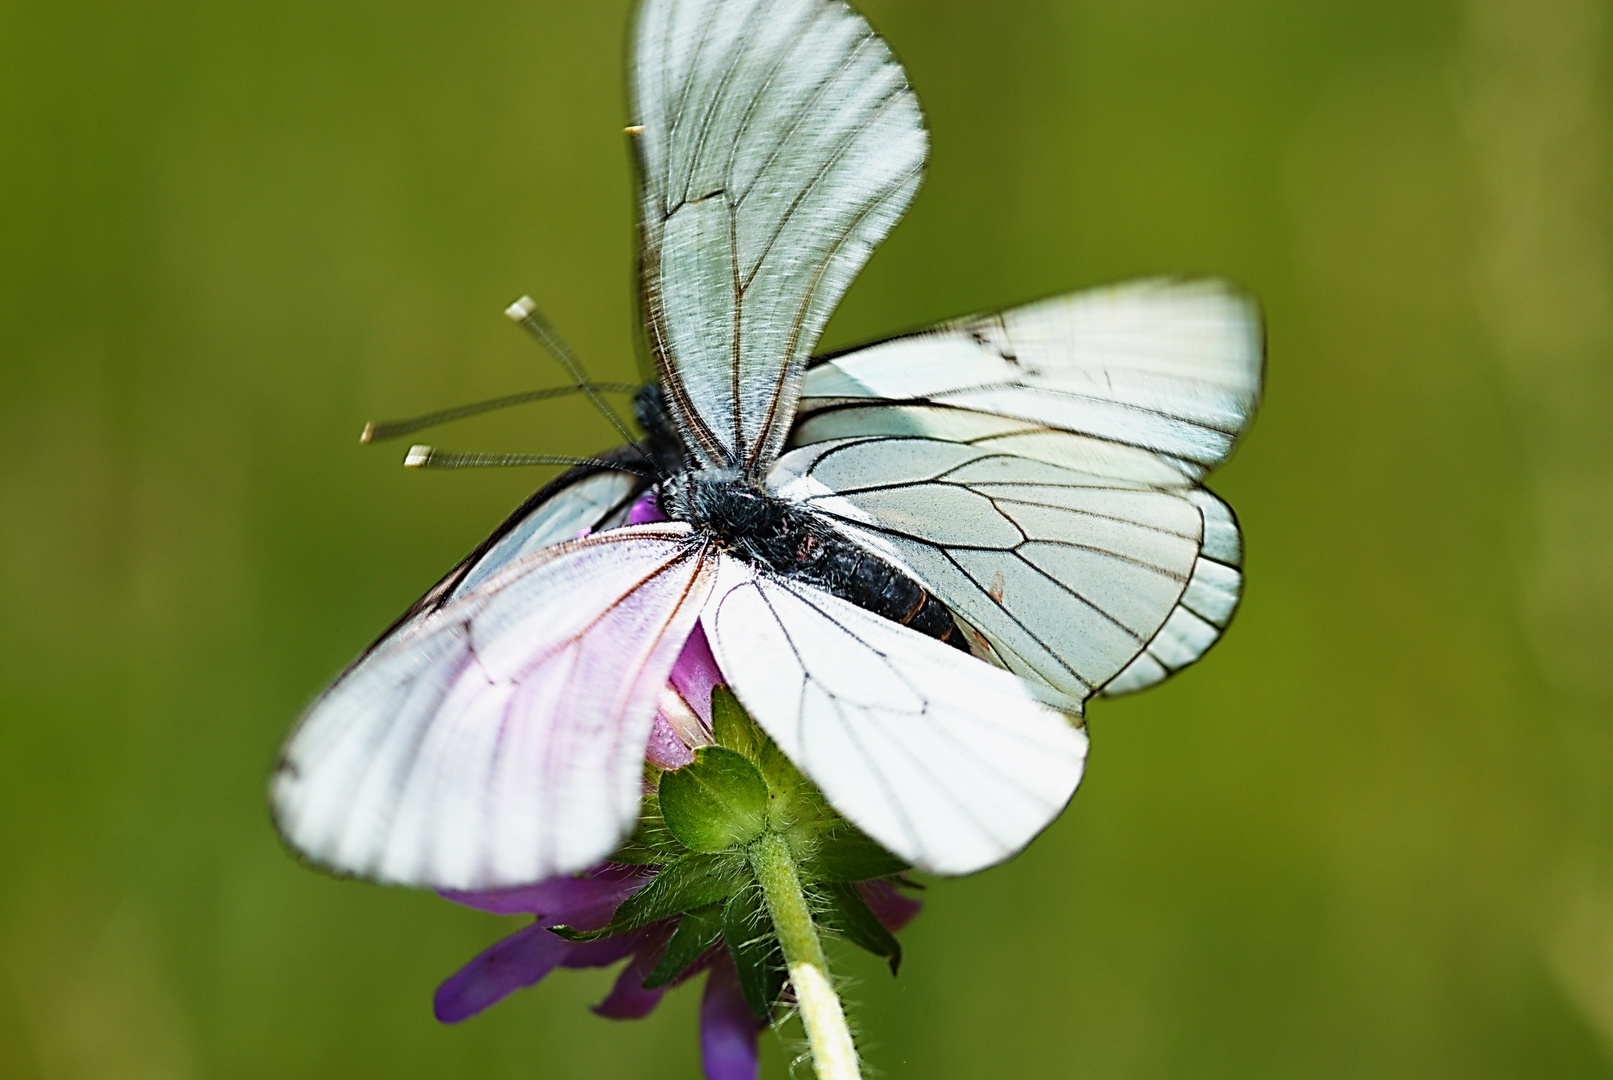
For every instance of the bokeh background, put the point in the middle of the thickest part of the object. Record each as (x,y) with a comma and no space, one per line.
(1369,836)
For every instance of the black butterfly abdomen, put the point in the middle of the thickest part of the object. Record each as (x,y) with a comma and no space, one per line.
(851,572)
(798,543)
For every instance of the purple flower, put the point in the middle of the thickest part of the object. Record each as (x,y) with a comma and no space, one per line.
(728,1029)
(585,902)
(588,902)
(646,510)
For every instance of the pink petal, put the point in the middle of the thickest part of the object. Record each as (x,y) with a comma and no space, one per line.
(517,961)
(628,1000)
(586,902)
(727,1029)
(696,674)
(646,510)
(667,749)
(890,907)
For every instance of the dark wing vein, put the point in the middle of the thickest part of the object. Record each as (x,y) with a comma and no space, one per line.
(742,129)
(823,170)
(714,101)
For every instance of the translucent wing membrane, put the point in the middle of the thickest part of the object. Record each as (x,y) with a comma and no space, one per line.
(946,761)
(1039,470)
(1067,575)
(1206,607)
(779,143)
(1170,369)
(500,738)
(589,504)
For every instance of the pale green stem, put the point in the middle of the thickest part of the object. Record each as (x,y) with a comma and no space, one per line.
(834,1056)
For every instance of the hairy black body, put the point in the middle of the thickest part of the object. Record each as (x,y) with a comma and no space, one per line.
(761,528)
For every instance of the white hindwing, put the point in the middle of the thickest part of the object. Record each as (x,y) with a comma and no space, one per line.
(500,739)
(779,144)
(946,761)
(564,509)
(1206,607)
(1136,388)
(591,504)
(1066,574)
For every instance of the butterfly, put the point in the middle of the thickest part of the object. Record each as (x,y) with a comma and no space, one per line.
(914,561)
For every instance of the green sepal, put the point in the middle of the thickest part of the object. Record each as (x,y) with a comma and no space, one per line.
(732,725)
(794,798)
(846,913)
(688,882)
(697,931)
(717,803)
(652,843)
(844,853)
(758,957)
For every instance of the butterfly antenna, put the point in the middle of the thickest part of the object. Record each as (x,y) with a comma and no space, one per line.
(382,430)
(525,311)
(429,457)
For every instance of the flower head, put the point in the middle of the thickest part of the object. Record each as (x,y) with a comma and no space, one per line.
(678,898)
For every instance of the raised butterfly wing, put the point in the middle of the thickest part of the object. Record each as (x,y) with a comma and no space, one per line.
(1066,574)
(1171,369)
(778,143)
(499,739)
(946,761)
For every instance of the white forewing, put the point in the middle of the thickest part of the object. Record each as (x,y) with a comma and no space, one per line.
(500,739)
(779,143)
(1068,575)
(945,760)
(1170,369)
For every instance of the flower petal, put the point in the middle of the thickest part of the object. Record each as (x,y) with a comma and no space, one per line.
(628,1000)
(890,907)
(696,674)
(604,952)
(586,902)
(727,1029)
(646,510)
(519,960)
(667,749)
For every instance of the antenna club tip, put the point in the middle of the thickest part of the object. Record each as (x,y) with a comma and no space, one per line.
(368,434)
(633,129)
(519,310)
(419,456)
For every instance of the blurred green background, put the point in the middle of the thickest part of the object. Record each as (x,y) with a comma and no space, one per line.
(1368,837)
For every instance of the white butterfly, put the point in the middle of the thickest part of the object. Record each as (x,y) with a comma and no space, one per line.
(1037,472)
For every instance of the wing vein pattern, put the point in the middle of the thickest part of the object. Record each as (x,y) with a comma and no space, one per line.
(945,760)
(1039,471)
(499,739)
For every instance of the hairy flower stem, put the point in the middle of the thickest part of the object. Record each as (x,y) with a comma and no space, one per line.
(833,1054)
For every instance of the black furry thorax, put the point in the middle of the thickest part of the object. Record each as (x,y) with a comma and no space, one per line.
(734,509)
(742,516)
